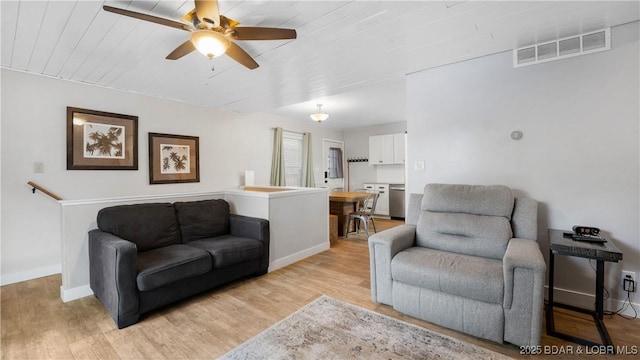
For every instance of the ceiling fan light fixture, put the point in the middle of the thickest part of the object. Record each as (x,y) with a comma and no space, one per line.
(319,116)
(210,43)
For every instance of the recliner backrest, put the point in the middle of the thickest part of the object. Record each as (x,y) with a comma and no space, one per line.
(466,219)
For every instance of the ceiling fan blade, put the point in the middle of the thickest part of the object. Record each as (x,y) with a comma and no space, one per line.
(236,53)
(263,33)
(207,11)
(145,17)
(181,50)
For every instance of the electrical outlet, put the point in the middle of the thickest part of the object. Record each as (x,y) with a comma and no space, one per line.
(628,285)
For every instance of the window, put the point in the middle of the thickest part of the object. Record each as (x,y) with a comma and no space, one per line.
(335,163)
(292,152)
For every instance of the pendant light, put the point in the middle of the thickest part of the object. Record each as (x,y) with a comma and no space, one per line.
(319,116)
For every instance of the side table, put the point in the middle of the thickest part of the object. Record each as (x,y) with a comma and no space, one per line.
(559,245)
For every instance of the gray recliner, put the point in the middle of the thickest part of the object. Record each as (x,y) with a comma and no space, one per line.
(466,259)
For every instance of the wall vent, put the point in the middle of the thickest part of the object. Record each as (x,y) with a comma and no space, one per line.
(583,44)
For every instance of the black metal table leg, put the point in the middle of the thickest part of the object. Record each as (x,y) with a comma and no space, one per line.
(598,314)
(550,322)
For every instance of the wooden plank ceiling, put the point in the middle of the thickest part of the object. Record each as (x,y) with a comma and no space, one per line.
(352,55)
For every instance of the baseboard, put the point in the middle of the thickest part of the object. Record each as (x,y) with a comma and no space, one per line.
(587,301)
(30,274)
(75,293)
(288,260)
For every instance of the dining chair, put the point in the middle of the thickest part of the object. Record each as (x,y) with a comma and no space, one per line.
(364,214)
(361,204)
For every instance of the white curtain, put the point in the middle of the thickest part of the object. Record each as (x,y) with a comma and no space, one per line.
(307,162)
(277,162)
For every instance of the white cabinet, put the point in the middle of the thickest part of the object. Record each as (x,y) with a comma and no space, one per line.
(398,148)
(382,207)
(375,150)
(386,149)
(381,149)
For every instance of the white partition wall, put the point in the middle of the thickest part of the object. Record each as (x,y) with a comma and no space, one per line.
(298,221)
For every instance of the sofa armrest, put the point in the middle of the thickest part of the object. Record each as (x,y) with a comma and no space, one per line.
(112,276)
(524,270)
(383,246)
(253,228)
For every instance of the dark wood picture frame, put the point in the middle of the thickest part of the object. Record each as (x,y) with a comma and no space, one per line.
(173,158)
(98,140)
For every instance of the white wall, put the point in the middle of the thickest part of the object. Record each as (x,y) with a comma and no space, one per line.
(33,129)
(579,155)
(356,141)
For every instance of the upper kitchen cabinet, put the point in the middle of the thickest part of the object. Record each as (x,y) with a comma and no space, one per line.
(386,149)
(381,149)
(398,148)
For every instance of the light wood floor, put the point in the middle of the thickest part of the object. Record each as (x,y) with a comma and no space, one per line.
(37,325)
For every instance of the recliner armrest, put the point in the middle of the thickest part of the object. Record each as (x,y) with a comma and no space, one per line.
(253,228)
(383,246)
(112,276)
(395,239)
(524,269)
(524,254)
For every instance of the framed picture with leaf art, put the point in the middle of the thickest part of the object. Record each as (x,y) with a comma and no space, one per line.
(173,159)
(98,140)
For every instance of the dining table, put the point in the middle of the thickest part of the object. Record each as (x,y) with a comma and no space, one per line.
(343,203)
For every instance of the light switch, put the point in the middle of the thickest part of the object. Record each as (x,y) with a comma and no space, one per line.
(419,165)
(38,167)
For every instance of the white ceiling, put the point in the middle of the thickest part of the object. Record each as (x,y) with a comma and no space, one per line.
(351,56)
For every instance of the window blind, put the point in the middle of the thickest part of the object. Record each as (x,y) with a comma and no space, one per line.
(292,151)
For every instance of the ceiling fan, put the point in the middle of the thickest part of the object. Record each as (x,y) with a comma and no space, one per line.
(212,33)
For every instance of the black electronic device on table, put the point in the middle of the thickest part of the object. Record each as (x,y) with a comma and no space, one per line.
(586,230)
(586,233)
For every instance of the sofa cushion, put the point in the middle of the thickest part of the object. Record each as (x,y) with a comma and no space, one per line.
(456,274)
(162,266)
(203,219)
(228,249)
(149,226)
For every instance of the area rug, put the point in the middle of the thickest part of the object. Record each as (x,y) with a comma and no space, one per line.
(331,329)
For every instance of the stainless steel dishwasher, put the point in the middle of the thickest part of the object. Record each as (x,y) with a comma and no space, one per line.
(396,201)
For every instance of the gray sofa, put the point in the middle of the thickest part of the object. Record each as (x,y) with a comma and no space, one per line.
(467,259)
(145,256)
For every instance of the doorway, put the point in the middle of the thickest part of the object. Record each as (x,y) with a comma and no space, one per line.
(333,170)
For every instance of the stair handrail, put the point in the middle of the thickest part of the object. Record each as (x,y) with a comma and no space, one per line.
(43,190)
